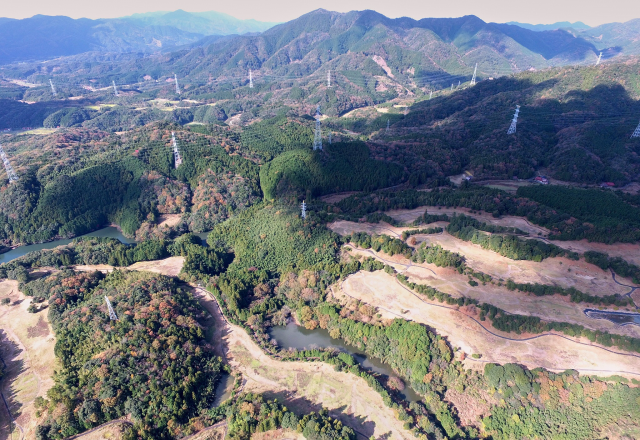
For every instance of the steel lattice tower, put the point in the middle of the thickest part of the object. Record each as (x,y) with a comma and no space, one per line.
(329,78)
(53,89)
(329,138)
(317,138)
(7,166)
(177,88)
(387,131)
(115,90)
(599,58)
(473,79)
(512,127)
(250,79)
(430,94)
(112,314)
(304,210)
(636,133)
(177,160)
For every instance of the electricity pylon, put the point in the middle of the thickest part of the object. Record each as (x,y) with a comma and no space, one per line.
(7,166)
(512,127)
(430,94)
(250,79)
(329,78)
(329,138)
(177,88)
(599,58)
(177,160)
(304,210)
(636,133)
(53,89)
(473,79)
(451,87)
(387,131)
(317,138)
(112,314)
(115,90)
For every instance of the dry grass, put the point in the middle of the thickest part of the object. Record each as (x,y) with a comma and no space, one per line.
(395,301)
(110,432)
(169,220)
(170,267)
(27,347)
(278,434)
(305,386)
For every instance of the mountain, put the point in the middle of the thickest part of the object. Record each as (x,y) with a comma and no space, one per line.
(205,23)
(578,25)
(44,37)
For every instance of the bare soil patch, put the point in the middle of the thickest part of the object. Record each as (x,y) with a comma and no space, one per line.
(278,434)
(26,346)
(551,308)
(169,220)
(305,386)
(169,266)
(627,251)
(112,431)
(552,352)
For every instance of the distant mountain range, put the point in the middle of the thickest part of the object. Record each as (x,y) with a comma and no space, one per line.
(43,37)
(578,25)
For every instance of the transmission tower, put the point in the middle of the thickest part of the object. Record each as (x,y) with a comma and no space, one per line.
(112,314)
(329,78)
(317,138)
(304,210)
(250,79)
(599,58)
(430,94)
(473,79)
(451,87)
(7,166)
(177,87)
(458,84)
(329,138)
(636,134)
(53,89)
(512,128)
(177,160)
(387,131)
(115,90)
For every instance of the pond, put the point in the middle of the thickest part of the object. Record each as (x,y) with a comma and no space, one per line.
(293,336)
(224,388)
(620,318)
(110,232)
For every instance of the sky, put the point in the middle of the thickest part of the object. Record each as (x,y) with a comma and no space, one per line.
(500,11)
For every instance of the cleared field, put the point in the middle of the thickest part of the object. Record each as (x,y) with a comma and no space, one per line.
(26,346)
(169,266)
(447,280)
(552,352)
(109,431)
(278,434)
(169,220)
(304,386)
(409,215)
(628,251)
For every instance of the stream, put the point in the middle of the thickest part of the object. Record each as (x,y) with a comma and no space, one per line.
(110,232)
(293,336)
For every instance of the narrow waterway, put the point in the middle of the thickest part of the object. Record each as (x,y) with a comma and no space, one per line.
(619,318)
(110,232)
(293,336)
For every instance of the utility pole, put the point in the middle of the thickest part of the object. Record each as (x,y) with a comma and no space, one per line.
(329,78)
(304,210)
(115,90)
(112,314)
(53,89)
(317,138)
(599,58)
(512,128)
(636,133)
(7,166)
(177,160)
(250,79)
(177,88)
(473,79)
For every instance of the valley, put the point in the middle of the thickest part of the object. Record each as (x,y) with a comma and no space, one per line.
(334,227)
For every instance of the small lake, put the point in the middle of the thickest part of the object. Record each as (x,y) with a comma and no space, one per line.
(223,389)
(294,336)
(110,232)
(620,318)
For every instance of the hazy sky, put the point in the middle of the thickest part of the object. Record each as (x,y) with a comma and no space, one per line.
(532,11)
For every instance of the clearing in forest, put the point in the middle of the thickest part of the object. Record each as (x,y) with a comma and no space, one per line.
(394,300)
(306,386)
(26,346)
